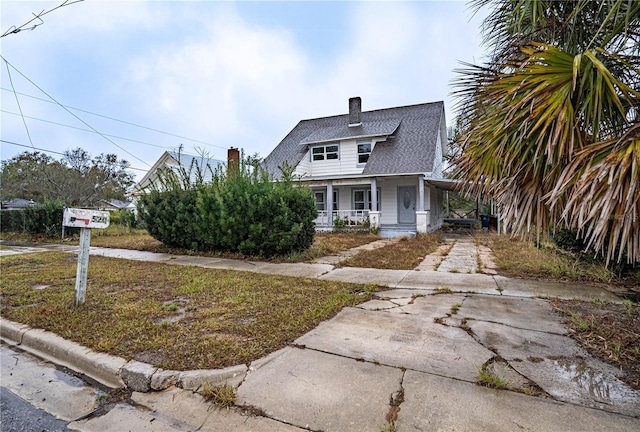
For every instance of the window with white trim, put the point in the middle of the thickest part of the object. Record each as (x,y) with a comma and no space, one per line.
(319,198)
(325,152)
(362,199)
(364,150)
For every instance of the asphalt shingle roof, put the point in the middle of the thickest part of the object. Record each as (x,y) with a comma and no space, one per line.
(410,147)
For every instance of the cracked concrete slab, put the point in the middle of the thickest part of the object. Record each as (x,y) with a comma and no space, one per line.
(44,387)
(429,307)
(320,391)
(193,411)
(435,403)
(400,340)
(370,276)
(479,283)
(531,314)
(533,288)
(560,367)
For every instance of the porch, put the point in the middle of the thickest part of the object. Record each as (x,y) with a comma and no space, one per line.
(395,205)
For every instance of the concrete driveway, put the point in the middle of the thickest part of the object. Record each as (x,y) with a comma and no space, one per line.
(415,360)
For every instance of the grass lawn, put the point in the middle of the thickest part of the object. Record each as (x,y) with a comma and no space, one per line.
(404,254)
(175,317)
(137,239)
(521,259)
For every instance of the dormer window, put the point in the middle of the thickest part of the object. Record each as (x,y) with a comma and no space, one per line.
(364,150)
(328,152)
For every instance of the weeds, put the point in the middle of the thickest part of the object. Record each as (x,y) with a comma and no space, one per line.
(628,306)
(578,321)
(489,377)
(455,308)
(441,290)
(222,396)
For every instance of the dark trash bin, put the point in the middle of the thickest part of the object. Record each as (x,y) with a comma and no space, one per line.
(493,223)
(485,221)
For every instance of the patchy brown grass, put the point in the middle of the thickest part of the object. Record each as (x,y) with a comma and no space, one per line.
(176,317)
(517,258)
(609,331)
(323,244)
(404,254)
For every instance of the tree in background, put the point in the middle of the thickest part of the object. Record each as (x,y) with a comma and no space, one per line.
(551,123)
(75,180)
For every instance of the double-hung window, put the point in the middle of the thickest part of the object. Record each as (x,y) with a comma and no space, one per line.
(326,152)
(364,150)
(319,198)
(362,199)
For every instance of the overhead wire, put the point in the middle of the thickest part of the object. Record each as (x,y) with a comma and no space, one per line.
(117,120)
(67,110)
(18,102)
(54,152)
(88,130)
(13,29)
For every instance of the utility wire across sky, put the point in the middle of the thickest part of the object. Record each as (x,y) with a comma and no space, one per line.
(114,119)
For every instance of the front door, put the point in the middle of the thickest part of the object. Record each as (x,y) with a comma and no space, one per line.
(407,205)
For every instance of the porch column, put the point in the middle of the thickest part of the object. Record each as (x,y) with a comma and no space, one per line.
(422,215)
(329,206)
(420,193)
(374,214)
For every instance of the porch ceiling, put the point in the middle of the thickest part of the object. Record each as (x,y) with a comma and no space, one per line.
(444,184)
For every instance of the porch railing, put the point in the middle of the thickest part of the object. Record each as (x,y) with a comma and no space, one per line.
(343,218)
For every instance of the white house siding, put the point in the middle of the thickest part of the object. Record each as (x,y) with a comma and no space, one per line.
(347,164)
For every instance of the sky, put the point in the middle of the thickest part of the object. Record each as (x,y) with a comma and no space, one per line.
(139,78)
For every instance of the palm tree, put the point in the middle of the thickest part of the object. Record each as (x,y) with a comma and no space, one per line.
(551,123)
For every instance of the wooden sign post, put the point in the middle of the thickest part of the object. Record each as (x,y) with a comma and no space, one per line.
(85,220)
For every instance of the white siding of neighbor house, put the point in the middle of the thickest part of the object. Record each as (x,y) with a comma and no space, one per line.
(437,161)
(346,164)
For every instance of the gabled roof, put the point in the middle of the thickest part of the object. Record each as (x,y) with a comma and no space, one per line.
(411,131)
(173,159)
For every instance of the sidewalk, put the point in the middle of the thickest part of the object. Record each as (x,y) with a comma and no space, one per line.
(408,359)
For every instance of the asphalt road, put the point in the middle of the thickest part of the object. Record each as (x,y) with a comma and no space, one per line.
(17,415)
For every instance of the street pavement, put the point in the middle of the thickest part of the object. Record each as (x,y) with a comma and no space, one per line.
(409,359)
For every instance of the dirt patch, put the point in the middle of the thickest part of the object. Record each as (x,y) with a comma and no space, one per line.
(608,331)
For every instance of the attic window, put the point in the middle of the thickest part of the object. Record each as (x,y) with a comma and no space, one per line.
(327,152)
(364,150)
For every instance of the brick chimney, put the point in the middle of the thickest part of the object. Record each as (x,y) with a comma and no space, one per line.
(355,109)
(233,161)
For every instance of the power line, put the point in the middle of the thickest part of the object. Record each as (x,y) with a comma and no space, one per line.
(13,29)
(67,110)
(18,102)
(53,152)
(117,120)
(87,130)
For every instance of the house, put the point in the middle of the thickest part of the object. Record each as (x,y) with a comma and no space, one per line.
(114,204)
(396,152)
(175,161)
(17,204)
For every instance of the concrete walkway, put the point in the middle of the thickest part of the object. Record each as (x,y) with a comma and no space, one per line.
(410,358)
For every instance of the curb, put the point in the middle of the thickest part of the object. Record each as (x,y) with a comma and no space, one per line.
(109,370)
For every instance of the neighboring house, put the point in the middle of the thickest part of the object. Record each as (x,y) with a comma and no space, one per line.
(17,204)
(173,161)
(396,152)
(114,204)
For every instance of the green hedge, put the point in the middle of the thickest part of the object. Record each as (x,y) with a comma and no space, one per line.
(245,213)
(44,219)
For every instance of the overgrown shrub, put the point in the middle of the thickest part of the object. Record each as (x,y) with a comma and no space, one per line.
(123,218)
(567,239)
(170,216)
(245,212)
